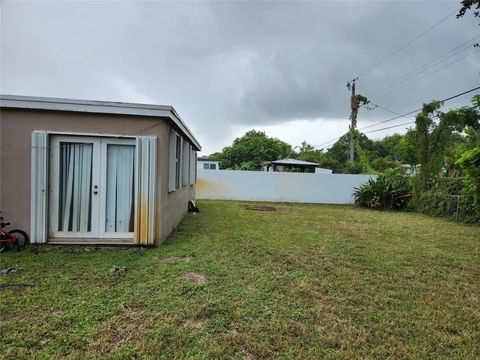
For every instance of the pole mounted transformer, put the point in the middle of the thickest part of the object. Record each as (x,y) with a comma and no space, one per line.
(354,103)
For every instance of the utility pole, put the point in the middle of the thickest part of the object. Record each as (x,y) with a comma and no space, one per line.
(353,118)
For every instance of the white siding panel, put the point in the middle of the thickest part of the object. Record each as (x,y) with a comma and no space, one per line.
(39,187)
(145,189)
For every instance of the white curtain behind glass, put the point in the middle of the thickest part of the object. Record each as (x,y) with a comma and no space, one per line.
(75,187)
(119,203)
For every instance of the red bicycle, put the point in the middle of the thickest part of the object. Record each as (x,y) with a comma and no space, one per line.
(15,239)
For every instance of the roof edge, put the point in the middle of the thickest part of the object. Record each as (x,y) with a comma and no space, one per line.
(97,106)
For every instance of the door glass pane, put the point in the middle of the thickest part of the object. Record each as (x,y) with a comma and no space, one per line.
(120,191)
(75,204)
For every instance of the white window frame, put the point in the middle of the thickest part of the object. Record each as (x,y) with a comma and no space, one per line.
(177,172)
(196,168)
(99,178)
(145,192)
(178,161)
(192,165)
(53,209)
(103,187)
(172,162)
(185,161)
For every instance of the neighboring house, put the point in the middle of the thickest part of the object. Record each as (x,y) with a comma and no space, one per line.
(206,163)
(295,166)
(91,172)
(319,170)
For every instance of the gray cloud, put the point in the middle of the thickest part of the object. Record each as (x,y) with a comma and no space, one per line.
(227,65)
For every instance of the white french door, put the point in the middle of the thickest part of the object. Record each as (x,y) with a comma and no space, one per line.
(117,182)
(92,187)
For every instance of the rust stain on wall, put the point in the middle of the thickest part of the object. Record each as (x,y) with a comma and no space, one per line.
(141,230)
(211,187)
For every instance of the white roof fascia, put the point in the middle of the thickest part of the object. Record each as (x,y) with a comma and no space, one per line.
(103,107)
(294,162)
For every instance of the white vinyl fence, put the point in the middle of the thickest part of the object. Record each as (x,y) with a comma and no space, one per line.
(278,186)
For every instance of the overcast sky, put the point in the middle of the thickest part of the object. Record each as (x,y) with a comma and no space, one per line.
(229,67)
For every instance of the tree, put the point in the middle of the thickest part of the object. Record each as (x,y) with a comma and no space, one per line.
(406,149)
(340,150)
(309,153)
(435,133)
(470,165)
(469,160)
(387,147)
(467,5)
(306,148)
(216,155)
(250,151)
(381,164)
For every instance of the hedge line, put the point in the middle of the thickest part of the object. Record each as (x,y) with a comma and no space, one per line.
(446,199)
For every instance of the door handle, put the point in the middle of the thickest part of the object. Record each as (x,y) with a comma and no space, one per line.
(95,192)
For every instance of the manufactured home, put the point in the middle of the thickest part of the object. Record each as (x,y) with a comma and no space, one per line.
(94,172)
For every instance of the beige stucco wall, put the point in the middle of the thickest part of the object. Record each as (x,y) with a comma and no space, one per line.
(16,126)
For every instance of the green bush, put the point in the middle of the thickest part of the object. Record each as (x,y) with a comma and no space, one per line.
(447,198)
(389,190)
(470,164)
(353,168)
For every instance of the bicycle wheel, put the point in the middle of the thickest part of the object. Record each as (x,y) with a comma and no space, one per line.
(4,246)
(22,238)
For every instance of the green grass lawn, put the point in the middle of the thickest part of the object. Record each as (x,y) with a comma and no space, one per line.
(306,281)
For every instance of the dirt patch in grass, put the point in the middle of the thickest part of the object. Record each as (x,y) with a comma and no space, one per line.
(175,259)
(7,319)
(195,278)
(194,324)
(261,208)
(126,326)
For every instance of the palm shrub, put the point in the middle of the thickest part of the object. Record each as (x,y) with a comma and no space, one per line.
(388,191)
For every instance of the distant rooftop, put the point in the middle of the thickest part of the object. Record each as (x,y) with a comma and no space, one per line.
(206,158)
(294,162)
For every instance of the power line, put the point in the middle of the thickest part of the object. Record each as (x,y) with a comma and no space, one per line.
(388,120)
(391,111)
(416,110)
(327,142)
(458,95)
(399,116)
(394,53)
(431,73)
(407,44)
(389,127)
(397,51)
(424,67)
